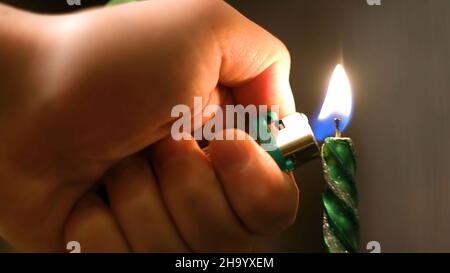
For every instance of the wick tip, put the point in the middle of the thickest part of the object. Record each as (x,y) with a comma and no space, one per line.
(337,122)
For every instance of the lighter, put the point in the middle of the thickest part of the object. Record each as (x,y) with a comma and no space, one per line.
(291,141)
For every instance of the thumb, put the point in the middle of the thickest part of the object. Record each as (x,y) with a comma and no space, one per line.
(264,197)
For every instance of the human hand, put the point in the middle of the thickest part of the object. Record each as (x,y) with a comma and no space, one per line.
(175,199)
(96,88)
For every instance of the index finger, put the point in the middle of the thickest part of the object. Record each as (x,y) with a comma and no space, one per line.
(255,64)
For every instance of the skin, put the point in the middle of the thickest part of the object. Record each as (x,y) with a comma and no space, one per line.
(85,99)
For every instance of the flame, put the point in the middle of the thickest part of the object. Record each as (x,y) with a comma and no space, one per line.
(337,104)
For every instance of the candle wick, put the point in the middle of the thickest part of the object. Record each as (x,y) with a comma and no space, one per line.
(337,122)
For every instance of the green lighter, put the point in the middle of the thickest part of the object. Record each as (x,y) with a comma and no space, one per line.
(291,141)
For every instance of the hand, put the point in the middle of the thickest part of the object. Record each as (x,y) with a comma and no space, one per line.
(96,88)
(181,201)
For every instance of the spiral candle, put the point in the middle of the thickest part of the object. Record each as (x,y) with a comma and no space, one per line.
(340,199)
(115,2)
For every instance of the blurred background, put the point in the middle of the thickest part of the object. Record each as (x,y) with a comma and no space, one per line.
(397,57)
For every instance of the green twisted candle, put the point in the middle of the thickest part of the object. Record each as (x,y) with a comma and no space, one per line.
(340,199)
(115,2)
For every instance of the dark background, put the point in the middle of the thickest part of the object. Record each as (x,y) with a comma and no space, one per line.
(397,56)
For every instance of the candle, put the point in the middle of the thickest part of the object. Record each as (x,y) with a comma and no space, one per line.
(340,198)
(115,2)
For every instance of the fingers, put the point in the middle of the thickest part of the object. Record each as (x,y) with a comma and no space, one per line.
(253,196)
(264,197)
(164,56)
(196,200)
(94,227)
(136,203)
(270,88)
(254,62)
